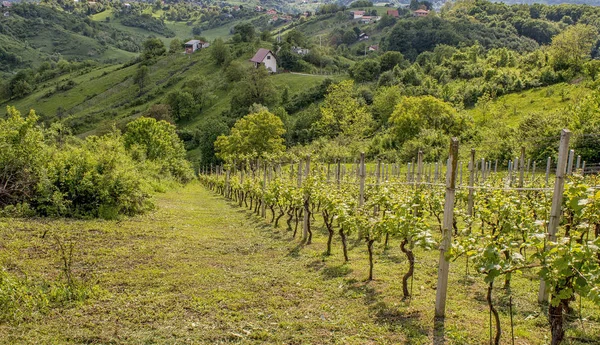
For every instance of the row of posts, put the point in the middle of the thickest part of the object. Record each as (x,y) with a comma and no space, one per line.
(565,163)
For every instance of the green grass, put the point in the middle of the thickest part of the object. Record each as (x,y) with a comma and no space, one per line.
(513,107)
(202,270)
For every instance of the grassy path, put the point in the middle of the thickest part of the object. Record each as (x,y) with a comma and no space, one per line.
(192,272)
(200,270)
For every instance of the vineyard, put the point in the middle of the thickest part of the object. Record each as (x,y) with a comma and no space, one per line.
(497,221)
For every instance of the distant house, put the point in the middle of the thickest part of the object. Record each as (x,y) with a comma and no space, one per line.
(193,45)
(358,14)
(363,36)
(393,13)
(6,4)
(374,48)
(271,12)
(258,9)
(265,57)
(420,13)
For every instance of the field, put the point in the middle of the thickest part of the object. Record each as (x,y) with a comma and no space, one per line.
(201,270)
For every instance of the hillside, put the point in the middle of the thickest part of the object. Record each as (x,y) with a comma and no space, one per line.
(31,34)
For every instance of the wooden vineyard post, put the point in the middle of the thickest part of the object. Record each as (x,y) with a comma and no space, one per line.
(556,211)
(227,183)
(578,164)
(470,200)
(263,206)
(444,264)
(378,181)
(362,173)
(570,163)
(419,168)
(583,169)
(306,224)
(522,168)
(408,172)
(548,164)
(299,173)
(242,186)
(338,173)
(533,172)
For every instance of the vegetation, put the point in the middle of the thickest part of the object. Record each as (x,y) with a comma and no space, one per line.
(48,172)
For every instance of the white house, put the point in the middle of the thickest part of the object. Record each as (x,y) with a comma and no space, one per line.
(265,57)
(358,14)
(193,45)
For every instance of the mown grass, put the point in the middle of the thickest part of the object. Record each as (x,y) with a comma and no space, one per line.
(202,270)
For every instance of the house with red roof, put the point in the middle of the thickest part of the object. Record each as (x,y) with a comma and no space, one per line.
(420,13)
(265,57)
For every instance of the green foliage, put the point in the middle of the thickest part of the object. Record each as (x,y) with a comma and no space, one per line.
(341,113)
(159,143)
(182,104)
(255,88)
(219,52)
(153,47)
(365,70)
(246,32)
(176,46)
(572,46)
(49,173)
(426,123)
(256,135)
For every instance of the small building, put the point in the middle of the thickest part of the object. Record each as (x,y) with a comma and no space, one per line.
(6,4)
(357,14)
(271,12)
(363,36)
(374,48)
(393,13)
(420,13)
(193,45)
(369,19)
(265,57)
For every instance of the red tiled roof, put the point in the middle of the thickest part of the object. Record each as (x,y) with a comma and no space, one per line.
(393,13)
(260,55)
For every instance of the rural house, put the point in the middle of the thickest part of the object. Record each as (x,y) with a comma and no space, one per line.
(193,45)
(265,57)
(393,13)
(420,13)
(358,14)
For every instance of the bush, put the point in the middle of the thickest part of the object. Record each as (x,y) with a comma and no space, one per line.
(46,173)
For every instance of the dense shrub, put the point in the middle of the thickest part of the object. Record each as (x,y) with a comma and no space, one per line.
(50,173)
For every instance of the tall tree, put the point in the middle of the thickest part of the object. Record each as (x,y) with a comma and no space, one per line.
(342,114)
(256,135)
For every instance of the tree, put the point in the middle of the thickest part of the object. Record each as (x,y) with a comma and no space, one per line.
(384,102)
(572,46)
(256,135)
(426,123)
(365,70)
(160,112)
(158,142)
(255,88)
(141,78)
(246,31)
(342,114)
(175,46)
(153,47)
(389,60)
(182,104)
(219,52)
